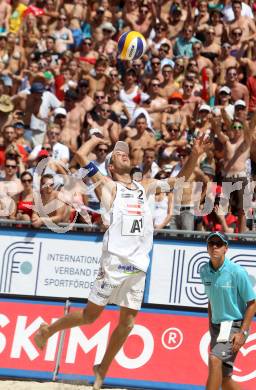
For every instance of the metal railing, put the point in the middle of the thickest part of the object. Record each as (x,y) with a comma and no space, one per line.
(248,236)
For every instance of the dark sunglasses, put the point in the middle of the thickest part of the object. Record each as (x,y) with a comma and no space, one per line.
(10,166)
(103,150)
(237,34)
(26,180)
(87,43)
(48,149)
(218,244)
(106,111)
(99,97)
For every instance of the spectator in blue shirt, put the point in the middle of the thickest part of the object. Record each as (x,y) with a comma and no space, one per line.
(231,309)
(184,42)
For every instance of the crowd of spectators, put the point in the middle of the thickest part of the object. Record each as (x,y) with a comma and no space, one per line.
(62,87)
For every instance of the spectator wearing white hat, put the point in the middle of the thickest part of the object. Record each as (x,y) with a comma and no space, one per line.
(240,110)
(108,46)
(224,101)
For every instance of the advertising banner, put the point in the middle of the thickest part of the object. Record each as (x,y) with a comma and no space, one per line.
(174,277)
(48,264)
(165,350)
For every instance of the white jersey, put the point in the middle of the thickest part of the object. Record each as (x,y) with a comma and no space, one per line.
(130,234)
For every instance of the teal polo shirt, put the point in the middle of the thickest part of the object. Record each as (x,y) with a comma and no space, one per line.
(228,290)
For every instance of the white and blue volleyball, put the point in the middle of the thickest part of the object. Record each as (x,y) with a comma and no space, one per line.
(131,45)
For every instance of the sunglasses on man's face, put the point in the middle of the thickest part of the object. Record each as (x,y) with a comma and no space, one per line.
(218,244)
(10,166)
(26,180)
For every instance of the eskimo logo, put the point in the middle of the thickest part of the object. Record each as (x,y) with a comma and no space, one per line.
(12,265)
(136,226)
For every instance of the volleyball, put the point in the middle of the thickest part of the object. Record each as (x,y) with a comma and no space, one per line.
(131,45)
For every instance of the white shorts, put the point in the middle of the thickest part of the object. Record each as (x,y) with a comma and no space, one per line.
(118,282)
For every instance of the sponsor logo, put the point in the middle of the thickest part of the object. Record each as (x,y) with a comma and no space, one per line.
(128,269)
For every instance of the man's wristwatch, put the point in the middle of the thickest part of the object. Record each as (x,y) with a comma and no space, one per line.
(245,333)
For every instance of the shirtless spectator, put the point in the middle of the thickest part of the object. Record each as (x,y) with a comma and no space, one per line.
(130,12)
(74,120)
(174,112)
(246,24)
(10,186)
(167,87)
(5,13)
(108,46)
(238,90)
(141,141)
(156,105)
(161,31)
(48,194)
(190,101)
(109,129)
(143,22)
(237,144)
(100,81)
(226,61)
(60,152)
(176,23)
(201,61)
(84,100)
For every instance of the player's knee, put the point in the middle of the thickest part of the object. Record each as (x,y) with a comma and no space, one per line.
(214,362)
(126,326)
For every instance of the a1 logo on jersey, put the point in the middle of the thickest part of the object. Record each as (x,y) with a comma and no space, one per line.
(133,225)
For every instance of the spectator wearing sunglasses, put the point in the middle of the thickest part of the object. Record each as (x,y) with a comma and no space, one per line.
(235,166)
(239,91)
(244,23)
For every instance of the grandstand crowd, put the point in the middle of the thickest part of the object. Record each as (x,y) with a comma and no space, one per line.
(63,87)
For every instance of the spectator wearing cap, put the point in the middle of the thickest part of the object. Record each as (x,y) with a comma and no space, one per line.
(38,105)
(223,100)
(240,110)
(108,46)
(176,22)
(6,107)
(60,152)
(19,127)
(60,117)
(184,42)
(238,91)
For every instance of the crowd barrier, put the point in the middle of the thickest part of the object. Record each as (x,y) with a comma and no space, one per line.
(43,265)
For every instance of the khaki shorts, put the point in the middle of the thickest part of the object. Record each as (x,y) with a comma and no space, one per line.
(118,282)
(224,351)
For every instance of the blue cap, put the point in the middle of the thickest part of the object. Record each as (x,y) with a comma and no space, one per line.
(37,87)
(220,235)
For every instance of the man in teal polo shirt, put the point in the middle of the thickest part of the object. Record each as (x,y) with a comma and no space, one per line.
(231,309)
